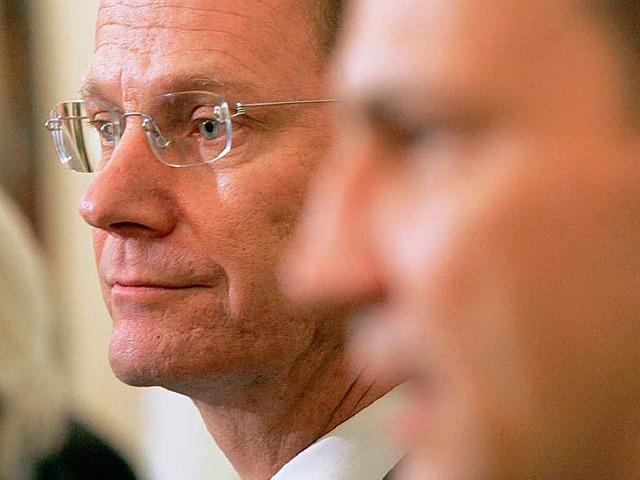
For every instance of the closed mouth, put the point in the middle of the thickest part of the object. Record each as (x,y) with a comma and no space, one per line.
(154,286)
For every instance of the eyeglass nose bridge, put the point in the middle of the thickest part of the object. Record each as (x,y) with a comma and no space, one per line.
(153,133)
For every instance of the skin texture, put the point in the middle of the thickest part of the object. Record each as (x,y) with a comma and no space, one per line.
(186,256)
(483,212)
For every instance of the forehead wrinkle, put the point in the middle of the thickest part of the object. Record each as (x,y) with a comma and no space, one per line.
(118,11)
(105,6)
(202,76)
(180,82)
(162,47)
(181,7)
(141,44)
(150,34)
(131,26)
(156,39)
(169,16)
(178,18)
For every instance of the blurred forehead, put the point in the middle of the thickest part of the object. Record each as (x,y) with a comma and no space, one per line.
(451,44)
(144,45)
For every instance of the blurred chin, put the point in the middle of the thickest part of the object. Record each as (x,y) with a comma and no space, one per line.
(430,468)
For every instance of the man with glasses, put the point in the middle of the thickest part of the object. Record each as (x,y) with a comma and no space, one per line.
(485,211)
(203,121)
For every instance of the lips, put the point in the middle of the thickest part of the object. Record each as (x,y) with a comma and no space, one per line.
(151,284)
(418,411)
(144,292)
(134,265)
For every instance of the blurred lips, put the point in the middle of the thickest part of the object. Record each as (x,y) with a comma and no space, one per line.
(384,343)
(416,415)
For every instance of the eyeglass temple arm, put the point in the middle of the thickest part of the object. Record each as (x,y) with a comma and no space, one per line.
(241,107)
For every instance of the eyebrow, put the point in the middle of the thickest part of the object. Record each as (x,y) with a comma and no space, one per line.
(377,109)
(93,89)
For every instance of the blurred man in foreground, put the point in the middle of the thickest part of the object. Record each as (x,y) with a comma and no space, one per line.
(484,206)
(204,120)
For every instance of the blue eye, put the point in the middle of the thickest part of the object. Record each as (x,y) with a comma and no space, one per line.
(107,131)
(209,129)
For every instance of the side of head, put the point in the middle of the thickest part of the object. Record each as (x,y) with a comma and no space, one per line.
(488,191)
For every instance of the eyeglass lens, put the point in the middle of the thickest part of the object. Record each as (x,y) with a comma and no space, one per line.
(184,128)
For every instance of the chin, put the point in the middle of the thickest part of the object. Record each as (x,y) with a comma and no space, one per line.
(167,359)
(136,365)
(187,362)
(139,367)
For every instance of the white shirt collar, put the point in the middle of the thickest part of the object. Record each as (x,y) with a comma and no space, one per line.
(357,449)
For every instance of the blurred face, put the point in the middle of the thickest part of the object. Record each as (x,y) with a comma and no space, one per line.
(483,206)
(186,256)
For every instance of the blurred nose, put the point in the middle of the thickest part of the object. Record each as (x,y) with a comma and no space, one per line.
(131,196)
(332,260)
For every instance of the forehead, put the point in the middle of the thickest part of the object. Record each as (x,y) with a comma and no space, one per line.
(452,44)
(142,46)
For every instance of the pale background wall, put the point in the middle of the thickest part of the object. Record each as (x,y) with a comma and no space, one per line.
(160,431)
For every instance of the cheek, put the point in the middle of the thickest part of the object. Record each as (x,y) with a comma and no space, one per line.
(514,287)
(99,238)
(454,261)
(247,225)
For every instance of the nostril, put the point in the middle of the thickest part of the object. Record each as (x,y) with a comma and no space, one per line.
(123,225)
(132,229)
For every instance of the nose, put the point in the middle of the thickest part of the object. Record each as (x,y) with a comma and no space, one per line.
(332,259)
(131,196)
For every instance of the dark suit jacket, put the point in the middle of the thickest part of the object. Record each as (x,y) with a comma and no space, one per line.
(84,456)
(390,475)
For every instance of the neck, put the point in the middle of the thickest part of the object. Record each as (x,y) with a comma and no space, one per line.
(269,423)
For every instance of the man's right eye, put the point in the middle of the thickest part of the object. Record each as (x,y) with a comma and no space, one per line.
(209,128)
